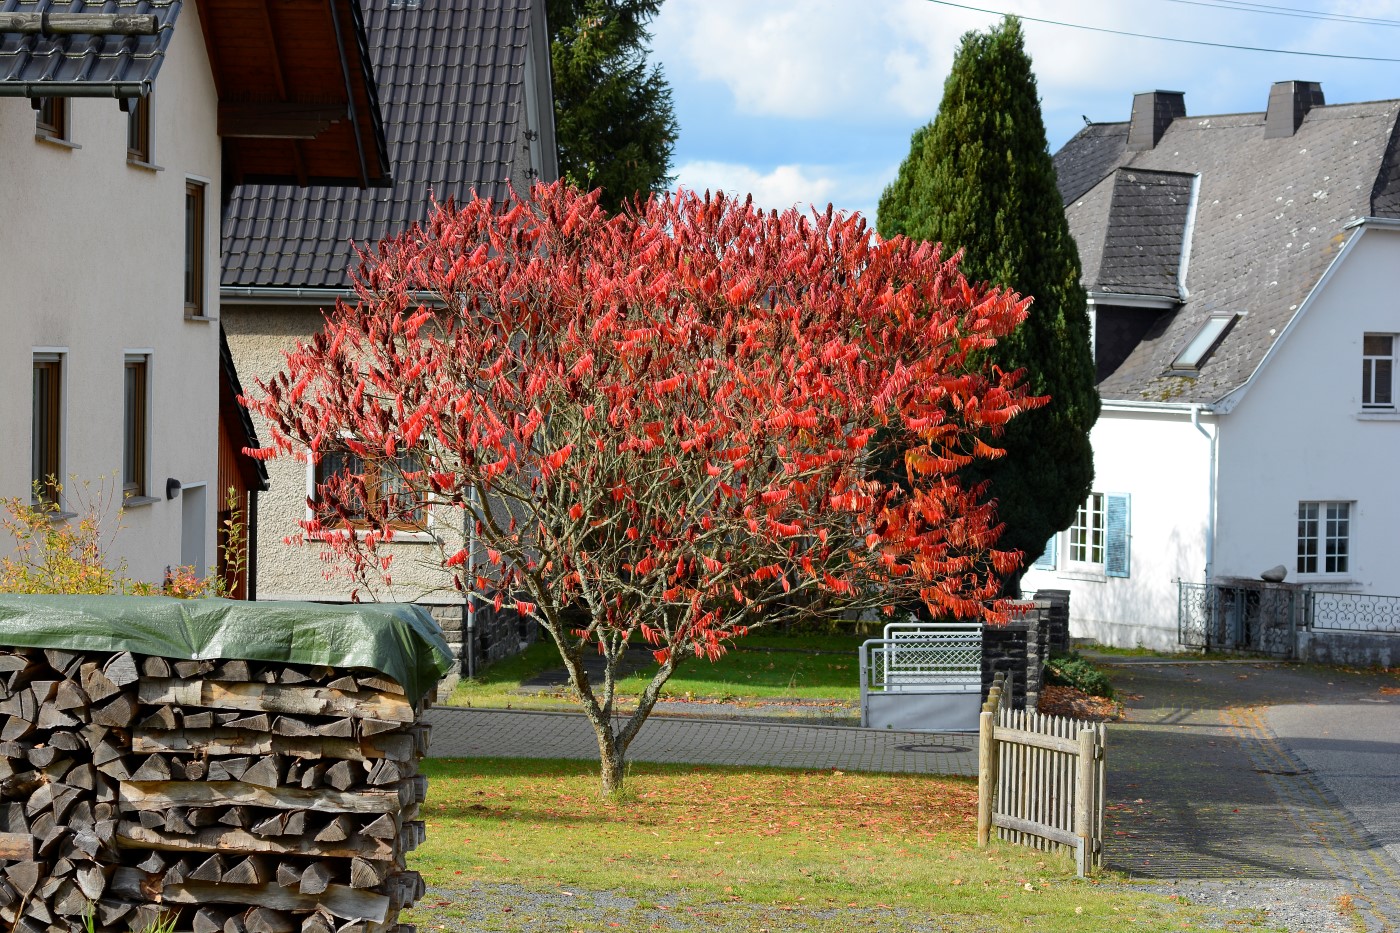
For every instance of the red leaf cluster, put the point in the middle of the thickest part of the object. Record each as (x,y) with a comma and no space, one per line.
(668,417)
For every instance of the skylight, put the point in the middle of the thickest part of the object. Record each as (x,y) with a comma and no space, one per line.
(1205,340)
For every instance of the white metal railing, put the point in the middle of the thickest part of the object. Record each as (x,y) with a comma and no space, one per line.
(946,657)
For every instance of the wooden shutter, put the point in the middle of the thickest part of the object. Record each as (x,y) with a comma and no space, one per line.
(1046,561)
(1117,535)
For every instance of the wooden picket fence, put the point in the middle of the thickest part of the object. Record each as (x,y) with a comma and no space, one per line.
(1041,780)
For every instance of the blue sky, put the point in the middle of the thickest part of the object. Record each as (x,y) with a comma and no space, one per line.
(813,101)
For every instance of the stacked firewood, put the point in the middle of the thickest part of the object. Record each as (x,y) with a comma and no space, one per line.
(236,796)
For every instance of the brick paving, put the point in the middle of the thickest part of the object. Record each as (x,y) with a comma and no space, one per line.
(468,733)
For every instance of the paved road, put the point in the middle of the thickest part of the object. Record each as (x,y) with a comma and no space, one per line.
(1352,750)
(461,733)
(1250,772)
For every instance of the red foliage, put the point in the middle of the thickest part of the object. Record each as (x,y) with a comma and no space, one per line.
(680,406)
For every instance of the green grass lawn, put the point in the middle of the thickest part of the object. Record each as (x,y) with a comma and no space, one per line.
(758,666)
(709,848)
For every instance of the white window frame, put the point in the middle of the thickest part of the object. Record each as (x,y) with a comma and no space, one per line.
(1326,524)
(1091,518)
(1370,364)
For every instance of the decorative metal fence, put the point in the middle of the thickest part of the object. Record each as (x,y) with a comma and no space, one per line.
(1229,617)
(1353,612)
(1041,781)
(1267,618)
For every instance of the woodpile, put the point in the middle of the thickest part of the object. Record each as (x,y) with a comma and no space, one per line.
(230,795)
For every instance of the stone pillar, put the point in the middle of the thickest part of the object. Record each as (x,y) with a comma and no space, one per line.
(1059,618)
(1004,649)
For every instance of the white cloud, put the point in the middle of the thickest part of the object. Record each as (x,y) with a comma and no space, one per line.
(785,186)
(779,189)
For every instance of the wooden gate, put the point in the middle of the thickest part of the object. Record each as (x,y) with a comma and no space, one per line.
(1041,781)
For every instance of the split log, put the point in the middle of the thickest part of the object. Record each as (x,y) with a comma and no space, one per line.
(16,847)
(277,698)
(133,835)
(399,746)
(340,901)
(317,878)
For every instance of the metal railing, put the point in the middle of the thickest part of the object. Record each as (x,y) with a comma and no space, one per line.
(1353,612)
(917,654)
(1268,617)
(1041,780)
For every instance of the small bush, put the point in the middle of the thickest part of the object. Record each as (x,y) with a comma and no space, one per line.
(1072,670)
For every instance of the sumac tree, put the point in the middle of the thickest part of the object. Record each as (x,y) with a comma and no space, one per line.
(659,423)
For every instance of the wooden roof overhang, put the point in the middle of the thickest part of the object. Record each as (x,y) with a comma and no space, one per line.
(297,98)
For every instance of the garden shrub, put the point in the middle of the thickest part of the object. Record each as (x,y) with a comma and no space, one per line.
(1074,670)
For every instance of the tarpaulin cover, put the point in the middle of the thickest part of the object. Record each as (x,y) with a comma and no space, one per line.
(399,640)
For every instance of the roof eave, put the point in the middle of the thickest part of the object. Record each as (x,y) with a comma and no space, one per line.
(38,89)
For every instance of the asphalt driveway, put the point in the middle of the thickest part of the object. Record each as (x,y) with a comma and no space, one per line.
(1258,772)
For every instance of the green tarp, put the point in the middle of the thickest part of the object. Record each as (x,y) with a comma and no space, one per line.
(399,640)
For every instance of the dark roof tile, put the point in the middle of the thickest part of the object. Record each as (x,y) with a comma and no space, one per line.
(84,66)
(451,79)
(1146,228)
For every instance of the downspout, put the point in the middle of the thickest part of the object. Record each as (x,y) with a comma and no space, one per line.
(1210,505)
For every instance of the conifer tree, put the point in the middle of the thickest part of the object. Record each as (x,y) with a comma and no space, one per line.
(980,177)
(612,112)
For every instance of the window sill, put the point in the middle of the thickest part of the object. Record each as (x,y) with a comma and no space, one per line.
(59,516)
(58,141)
(200,318)
(147,166)
(400,537)
(1087,576)
(136,502)
(1378,414)
(1325,581)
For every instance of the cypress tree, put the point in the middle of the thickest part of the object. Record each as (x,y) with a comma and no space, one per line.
(980,177)
(613,114)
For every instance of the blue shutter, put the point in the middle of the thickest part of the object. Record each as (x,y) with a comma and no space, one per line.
(1046,561)
(1117,535)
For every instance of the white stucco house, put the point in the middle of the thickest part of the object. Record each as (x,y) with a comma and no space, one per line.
(119,150)
(469,113)
(1241,271)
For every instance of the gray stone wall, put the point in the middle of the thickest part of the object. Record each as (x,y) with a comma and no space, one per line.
(1350,649)
(1018,649)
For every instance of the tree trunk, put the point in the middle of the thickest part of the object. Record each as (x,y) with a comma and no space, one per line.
(612,765)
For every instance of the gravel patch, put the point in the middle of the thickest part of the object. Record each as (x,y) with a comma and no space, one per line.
(1295,906)
(505,908)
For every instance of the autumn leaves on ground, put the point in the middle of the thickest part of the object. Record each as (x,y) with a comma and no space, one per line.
(528,845)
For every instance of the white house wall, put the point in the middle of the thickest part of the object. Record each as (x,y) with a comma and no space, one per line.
(91,258)
(1298,434)
(1163,463)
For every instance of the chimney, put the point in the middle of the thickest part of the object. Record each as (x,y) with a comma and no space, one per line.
(1153,112)
(1289,102)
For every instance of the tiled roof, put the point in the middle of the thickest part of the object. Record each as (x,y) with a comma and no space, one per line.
(35,65)
(451,78)
(1270,218)
(1146,228)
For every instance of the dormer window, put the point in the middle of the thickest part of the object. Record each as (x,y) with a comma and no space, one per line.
(1205,340)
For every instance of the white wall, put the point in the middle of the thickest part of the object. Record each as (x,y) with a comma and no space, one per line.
(1163,462)
(91,259)
(1297,434)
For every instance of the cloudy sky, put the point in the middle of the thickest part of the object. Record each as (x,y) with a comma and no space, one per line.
(813,101)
